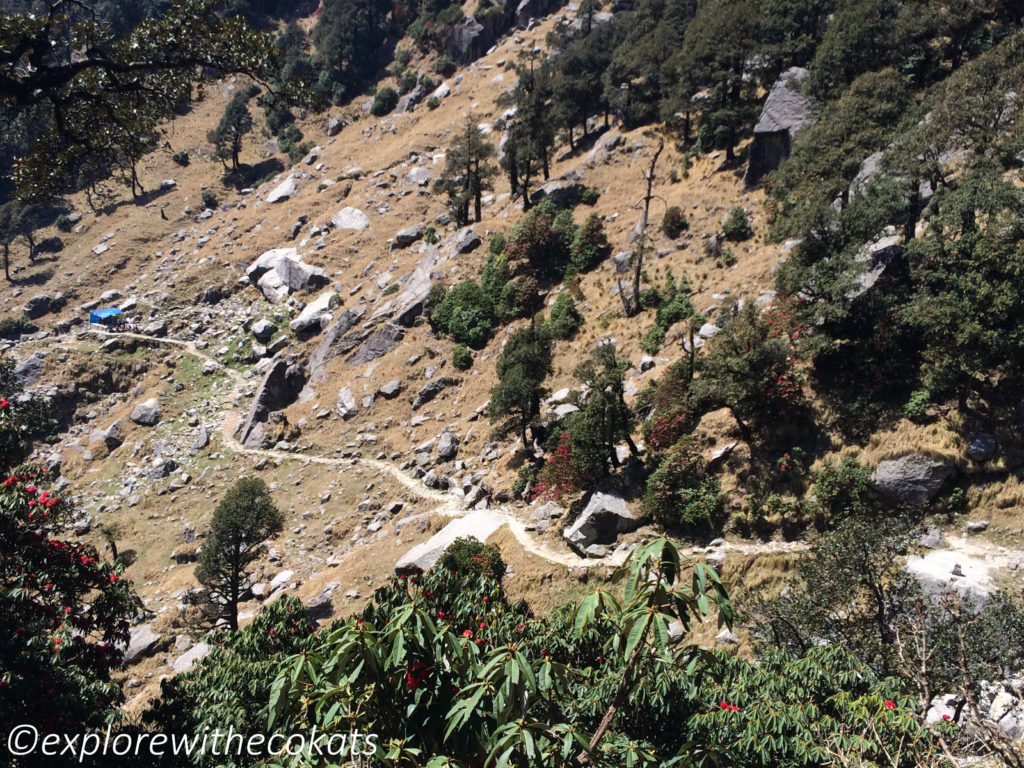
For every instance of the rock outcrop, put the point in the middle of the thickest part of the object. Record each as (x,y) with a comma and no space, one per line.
(279,389)
(914,478)
(786,112)
(334,343)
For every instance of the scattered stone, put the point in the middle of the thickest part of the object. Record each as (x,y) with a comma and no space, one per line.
(184,663)
(432,390)
(447,446)
(350,218)
(406,237)
(982,447)
(263,330)
(147,414)
(466,241)
(282,191)
(391,390)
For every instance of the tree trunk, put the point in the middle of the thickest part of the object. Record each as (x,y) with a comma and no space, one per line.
(633,306)
(478,192)
(745,432)
(7,262)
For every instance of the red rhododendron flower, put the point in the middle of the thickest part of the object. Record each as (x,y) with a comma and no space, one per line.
(890,704)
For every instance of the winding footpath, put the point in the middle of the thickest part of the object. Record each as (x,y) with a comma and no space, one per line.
(448,504)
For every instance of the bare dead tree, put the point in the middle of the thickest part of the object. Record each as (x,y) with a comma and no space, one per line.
(631,300)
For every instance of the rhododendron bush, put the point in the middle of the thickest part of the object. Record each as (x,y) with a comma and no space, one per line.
(449,672)
(63,614)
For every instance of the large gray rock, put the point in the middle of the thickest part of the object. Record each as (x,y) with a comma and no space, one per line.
(603,519)
(280,271)
(942,570)
(30,370)
(350,218)
(382,341)
(334,343)
(316,315)
(786,112)
(347,407)
(914,478)
(147,414)
(202,439)
(280,388)
(466,241)
(468,40)
(282,191)
(447,446)
(289,276)
(263,331)
(873,260)
(157,328)
(406,237)
(335,125)
(112,436)
(533,9)
(431,390)
(391,390)
(37,306)
(268,260)
(479,525)
(143,642)
(184,663)
(420,176)
(408,304)
(564,191)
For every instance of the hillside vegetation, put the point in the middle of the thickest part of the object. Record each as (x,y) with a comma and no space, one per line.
(705,314)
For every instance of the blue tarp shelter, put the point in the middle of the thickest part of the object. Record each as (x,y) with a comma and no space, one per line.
(104,316)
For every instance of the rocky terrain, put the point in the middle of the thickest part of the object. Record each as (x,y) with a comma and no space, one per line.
(282,334)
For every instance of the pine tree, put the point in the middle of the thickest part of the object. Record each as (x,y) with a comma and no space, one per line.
(467,173)
(524,364)
(233,126)
(531,136)
(244,518)
(606,410)
(719,42)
